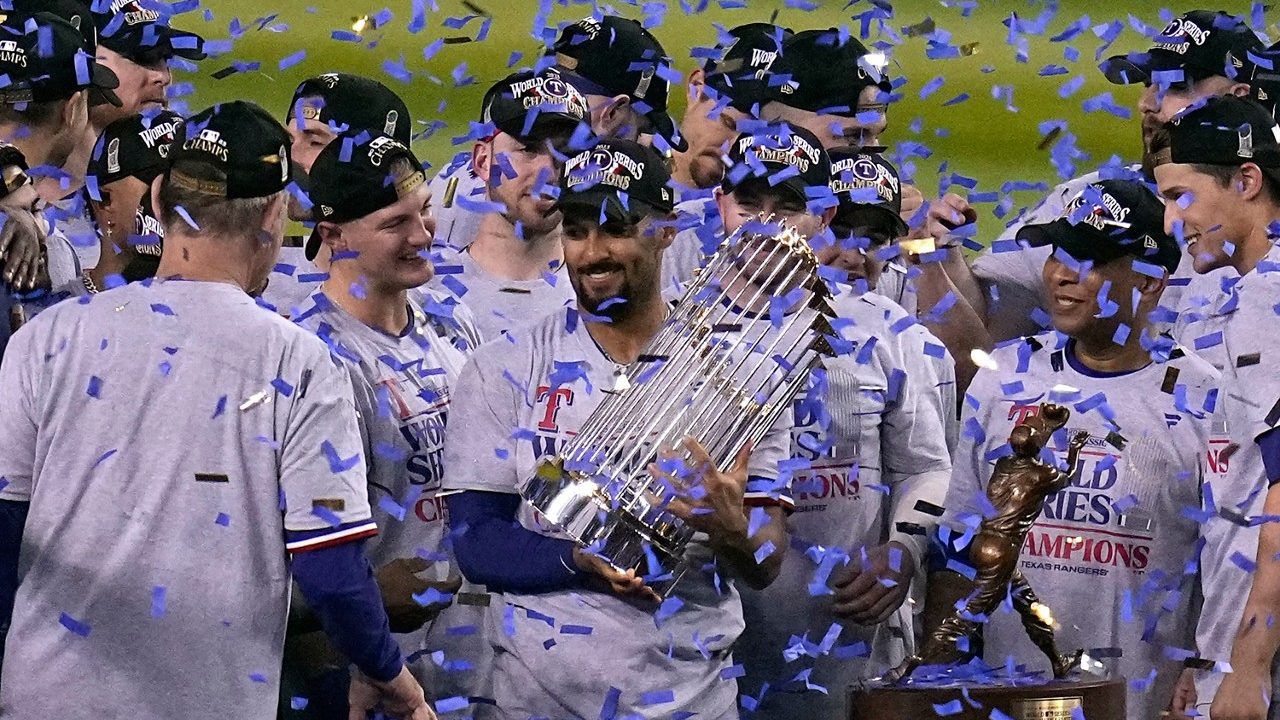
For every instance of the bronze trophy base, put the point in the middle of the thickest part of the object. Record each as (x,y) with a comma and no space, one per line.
(1055,700)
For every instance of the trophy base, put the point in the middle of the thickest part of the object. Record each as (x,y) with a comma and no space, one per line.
(1055,700)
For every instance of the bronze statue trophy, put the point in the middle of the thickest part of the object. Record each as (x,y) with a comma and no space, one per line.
(1019,486)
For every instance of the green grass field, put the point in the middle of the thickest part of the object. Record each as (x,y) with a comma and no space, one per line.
(983,137)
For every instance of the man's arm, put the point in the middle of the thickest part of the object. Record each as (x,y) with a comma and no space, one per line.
(13,518)
(1244,692)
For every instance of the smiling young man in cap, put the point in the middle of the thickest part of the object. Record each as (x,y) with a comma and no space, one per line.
(373,212)
(1199,54)
(617,204)
(1218,166)
(322,108)
(873,419)
(622,71)
(43,118)
(235,474)
(1117,542)
(512,272)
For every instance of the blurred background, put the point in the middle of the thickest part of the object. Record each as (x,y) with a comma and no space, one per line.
(993,95)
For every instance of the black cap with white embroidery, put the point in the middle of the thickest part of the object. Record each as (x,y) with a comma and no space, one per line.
(1222,131)
(623,179)
(232,150)
(1109,220)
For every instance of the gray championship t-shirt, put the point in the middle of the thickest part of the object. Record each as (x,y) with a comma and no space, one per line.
(1233,504)
(166,435)
(1112,554)
(871,435)
(498,305)
(403,387)
(292,280)
(573,652)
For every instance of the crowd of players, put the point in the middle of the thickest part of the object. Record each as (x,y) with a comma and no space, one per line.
(241,480)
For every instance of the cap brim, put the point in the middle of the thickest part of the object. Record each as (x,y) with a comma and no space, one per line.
(880,214)
(102,85)
(666,127)
(1041,235)
(596,198)
(311,247)
(186,45)
(1119,69)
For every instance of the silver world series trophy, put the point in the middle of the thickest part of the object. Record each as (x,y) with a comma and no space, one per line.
(733,354)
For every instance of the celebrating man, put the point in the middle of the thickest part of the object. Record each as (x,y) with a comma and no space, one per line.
(512,272)
(1218,166)
(146,556)
(574,636)
(1112,555)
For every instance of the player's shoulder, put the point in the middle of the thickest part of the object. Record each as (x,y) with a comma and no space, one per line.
(447,317)
(1018,354)
(874,313)
(521,348)
(1192,368)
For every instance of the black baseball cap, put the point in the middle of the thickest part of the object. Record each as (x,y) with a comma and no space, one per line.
(1264,85)
(1108,220)
(136,146)
(138,31)
(623,178)
(740,68)
(233,150)
(786,157)
(1193,46)
(826,71)
(1222,131)
(350,180)
(617,56)
(352,104)
(868,188)
(530,106)
(42,70)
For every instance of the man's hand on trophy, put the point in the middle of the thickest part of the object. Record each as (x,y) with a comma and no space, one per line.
(401,698)
(869,588)
(707,499)
(626,584)
(408,603)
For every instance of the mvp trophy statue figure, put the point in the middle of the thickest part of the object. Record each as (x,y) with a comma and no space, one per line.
(1019,486)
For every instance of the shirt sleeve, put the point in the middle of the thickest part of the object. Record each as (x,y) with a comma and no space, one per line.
(322,467)
(480,446)
(913,437)
(17,419)
(969,467)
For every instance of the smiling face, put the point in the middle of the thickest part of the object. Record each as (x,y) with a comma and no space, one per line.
(1075,302)
(614,268)
(521,176)
(390,245)
(1199,210)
